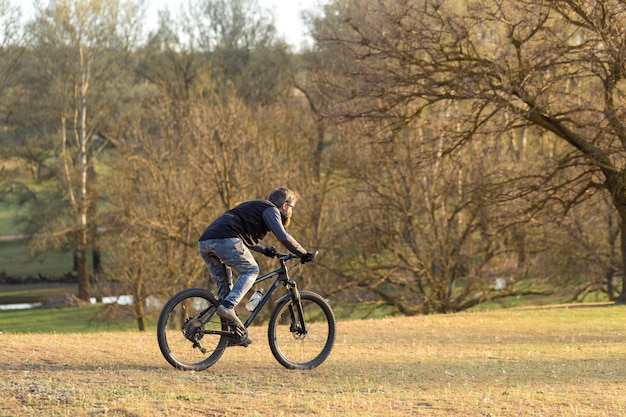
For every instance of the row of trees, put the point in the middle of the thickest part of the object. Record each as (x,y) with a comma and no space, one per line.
(544,80)
(438,145)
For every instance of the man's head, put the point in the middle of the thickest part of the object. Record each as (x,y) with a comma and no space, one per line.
(285,199)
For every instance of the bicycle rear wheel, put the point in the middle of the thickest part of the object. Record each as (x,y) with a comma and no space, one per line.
(181,330)
(292,345)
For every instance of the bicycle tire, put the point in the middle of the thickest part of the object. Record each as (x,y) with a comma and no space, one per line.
(291,347)
(180,330)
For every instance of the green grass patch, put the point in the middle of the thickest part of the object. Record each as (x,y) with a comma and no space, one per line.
(8,212)
(15,260)
(562,297)
(6,221)
(91,318)
(33,293)
(94,318)
(361,311)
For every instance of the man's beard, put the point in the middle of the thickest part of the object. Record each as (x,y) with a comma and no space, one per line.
(285,219)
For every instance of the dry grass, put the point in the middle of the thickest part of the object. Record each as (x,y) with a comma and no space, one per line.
(550,362)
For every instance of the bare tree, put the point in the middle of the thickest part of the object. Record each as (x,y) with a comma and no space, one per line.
(556,65)
(194,151)
(11,48)
(11,52)
(81,48)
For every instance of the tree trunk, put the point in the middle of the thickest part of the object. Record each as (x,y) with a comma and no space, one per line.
(83,201)
(617,188)
(138,301)
(84,287)
(141,316)
(609,284)
(622,296)
(96,260)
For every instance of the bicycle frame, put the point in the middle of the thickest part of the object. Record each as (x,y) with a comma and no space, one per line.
(282,274)
(283,277)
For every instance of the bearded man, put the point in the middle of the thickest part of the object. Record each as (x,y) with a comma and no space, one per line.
(226,243)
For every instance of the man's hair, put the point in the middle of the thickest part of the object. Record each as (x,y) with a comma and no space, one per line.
(282,195)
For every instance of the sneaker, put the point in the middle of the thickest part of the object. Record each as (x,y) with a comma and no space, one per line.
(229,314)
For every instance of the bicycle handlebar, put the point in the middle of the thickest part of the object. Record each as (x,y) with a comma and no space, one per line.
(288,256)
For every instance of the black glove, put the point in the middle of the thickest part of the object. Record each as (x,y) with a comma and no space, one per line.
(270,252)
(307,258)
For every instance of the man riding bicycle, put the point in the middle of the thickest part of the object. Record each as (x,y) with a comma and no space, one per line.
(225,244)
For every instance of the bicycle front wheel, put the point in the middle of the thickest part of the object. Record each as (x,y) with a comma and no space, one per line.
(182,330)
(302,341)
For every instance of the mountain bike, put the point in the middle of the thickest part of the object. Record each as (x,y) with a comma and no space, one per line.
(301,328)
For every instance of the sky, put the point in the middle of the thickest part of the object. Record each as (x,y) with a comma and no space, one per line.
(286,13)
(288,21)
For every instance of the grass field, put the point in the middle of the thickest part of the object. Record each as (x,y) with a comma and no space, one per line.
(16,261)
(522,362)
(35,292)
(98,317)
(63,320)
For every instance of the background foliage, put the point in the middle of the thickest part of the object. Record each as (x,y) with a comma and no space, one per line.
(447,153)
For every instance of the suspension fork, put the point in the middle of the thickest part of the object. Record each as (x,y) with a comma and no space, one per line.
(295,309)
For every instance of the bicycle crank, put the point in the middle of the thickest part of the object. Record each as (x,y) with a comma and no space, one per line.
(238,337)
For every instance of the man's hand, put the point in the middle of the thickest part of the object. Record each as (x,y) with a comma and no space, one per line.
(307,258)
(270,252)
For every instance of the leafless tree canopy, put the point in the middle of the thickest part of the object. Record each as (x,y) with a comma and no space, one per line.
(486,71)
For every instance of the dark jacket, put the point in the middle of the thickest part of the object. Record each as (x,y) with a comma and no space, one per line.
(250,222)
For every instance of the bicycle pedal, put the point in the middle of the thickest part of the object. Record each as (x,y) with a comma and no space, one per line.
(239,337)
(244,342)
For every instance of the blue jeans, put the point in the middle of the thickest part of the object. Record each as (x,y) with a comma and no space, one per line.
(220,255)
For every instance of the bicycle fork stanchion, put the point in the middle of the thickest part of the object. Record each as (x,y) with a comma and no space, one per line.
(297,316)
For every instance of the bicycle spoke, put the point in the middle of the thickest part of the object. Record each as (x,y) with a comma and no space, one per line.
(294,347)
(182,332)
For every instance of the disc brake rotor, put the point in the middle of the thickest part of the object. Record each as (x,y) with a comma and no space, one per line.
(297,332)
